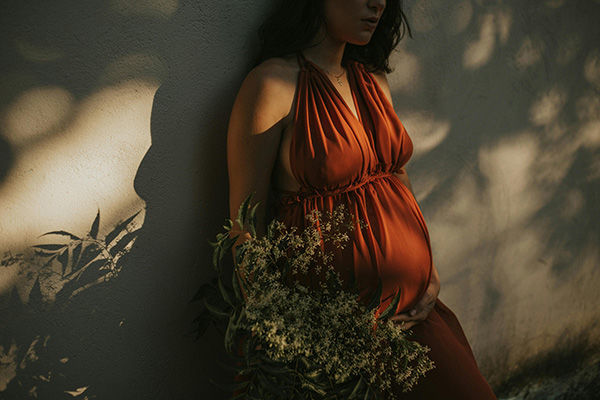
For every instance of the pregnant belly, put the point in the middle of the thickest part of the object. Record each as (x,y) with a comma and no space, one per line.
(394,246)
(396,243)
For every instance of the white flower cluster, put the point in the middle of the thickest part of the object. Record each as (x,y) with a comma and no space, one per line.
(327,325)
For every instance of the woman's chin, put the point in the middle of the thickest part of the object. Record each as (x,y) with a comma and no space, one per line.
(362,39)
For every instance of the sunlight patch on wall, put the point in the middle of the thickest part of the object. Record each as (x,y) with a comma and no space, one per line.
(407,72)
(36,112)
(9,360)
(588,106)
(37,53)
(588,113)
(589,134)
(478,52)
(546,108)
(457,225)
(554,3)
(62,180)
(553,163)
(522,270)
(425,130)
(517,262)
(508,166)
(150,8)
(547,288)
(591,68)
(529,53)
(459,17)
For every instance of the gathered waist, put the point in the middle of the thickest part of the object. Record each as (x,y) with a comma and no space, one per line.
(290,197)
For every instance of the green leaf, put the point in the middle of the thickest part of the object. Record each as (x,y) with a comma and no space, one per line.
(224,292)
(240,252)
(357,388)
(273,369)
(94,229)
(214,310)
(253,219)
(313,386)
(202,322)
(236,286)
(203,292)
(268,384)
(215,258)
(229,242)
(62,233)
(229,333)
(119,228)
(376,299)
(228,225)
(367,393)
(242,210)
(314,374)
(391,308)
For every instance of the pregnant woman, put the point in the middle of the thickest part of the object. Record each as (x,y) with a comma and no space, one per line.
(313,127)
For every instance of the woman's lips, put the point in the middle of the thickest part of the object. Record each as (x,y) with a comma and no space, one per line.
(370,24)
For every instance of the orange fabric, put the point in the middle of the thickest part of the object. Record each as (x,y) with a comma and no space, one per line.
(340,159)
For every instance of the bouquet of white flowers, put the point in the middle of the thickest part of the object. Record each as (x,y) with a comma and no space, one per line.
(304,342)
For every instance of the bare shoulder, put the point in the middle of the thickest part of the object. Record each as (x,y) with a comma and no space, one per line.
(381,78)
(264,98)
(267,91)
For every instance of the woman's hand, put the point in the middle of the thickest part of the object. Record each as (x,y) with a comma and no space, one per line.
(422,309)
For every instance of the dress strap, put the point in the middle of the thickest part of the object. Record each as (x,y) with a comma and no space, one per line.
(301,60)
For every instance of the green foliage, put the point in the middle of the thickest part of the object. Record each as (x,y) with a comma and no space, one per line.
(304,341)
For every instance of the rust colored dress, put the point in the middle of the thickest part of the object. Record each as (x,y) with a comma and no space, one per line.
(340,159)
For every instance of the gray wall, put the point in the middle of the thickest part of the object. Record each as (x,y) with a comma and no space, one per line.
(122,106)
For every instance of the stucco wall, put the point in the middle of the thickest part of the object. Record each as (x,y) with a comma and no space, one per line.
(122,106)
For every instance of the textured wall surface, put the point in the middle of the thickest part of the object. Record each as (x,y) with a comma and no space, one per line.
(110,108)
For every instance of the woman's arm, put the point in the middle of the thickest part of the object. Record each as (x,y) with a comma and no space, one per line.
(253,137)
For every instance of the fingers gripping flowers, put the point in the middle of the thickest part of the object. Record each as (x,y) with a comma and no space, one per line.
(312,340)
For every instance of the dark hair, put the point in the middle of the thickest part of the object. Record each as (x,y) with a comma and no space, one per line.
(293,23)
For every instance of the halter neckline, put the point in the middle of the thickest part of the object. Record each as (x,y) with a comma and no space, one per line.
(303,61)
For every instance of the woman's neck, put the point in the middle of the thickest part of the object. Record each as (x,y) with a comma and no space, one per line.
(327,54)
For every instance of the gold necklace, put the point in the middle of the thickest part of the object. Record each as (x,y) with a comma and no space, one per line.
(337,77)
